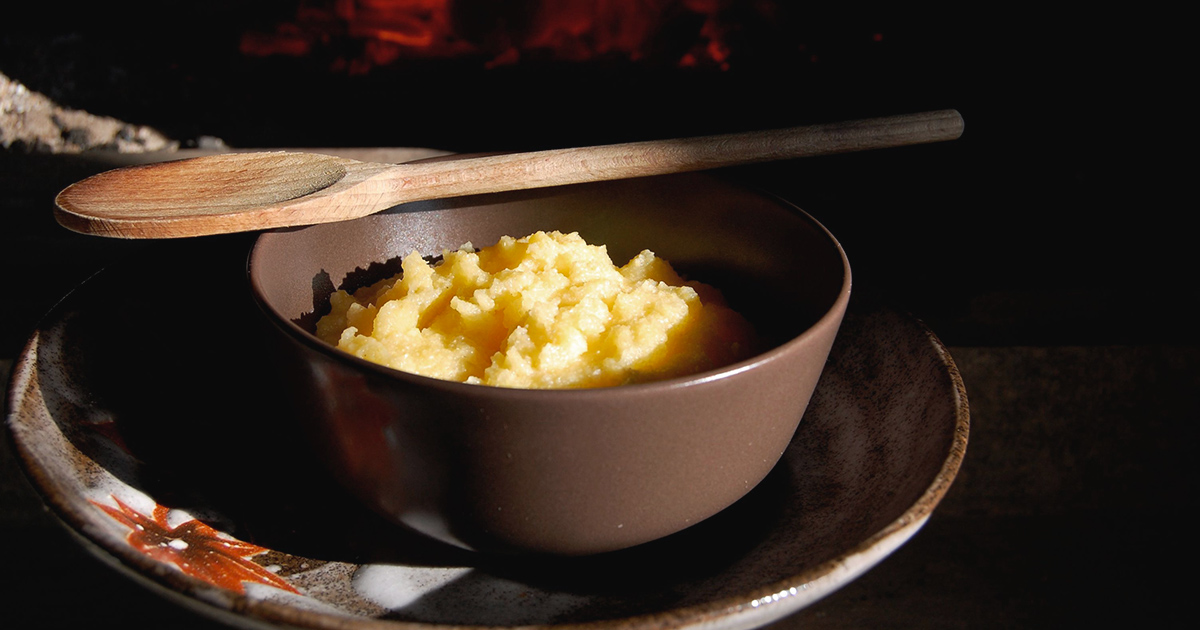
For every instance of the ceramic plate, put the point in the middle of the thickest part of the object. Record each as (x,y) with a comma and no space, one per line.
(145,412)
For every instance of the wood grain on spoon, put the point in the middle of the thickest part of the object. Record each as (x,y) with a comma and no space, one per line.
(252,191)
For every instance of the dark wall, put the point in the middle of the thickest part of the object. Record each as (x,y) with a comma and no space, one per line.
(1052,217)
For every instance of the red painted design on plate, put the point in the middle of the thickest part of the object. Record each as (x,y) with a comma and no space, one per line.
(108,429)
(197,549)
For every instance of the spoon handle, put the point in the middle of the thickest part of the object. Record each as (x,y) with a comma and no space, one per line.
(516,171)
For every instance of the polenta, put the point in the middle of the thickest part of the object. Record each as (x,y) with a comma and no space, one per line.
(545,311)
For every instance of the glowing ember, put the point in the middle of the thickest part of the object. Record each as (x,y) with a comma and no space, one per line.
(381,32)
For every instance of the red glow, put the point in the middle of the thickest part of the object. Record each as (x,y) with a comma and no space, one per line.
(388,31)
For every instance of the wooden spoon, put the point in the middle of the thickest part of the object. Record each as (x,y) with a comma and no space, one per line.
(240,192)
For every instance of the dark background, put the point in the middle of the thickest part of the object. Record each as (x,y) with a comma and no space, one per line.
(1060,192)
(1048,247)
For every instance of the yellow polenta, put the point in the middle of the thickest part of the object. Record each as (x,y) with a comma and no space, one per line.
(544,311)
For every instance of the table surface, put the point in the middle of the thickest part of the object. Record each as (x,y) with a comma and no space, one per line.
(1044,248)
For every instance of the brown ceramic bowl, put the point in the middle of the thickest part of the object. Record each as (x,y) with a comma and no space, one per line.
(565,471)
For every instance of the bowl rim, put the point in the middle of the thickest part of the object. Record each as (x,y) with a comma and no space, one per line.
(831,317)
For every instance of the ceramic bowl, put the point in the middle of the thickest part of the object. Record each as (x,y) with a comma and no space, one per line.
(566,472)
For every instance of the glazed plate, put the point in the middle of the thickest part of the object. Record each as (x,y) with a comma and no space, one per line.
(145,411)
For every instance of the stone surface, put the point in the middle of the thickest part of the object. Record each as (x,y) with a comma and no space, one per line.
(31,121)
